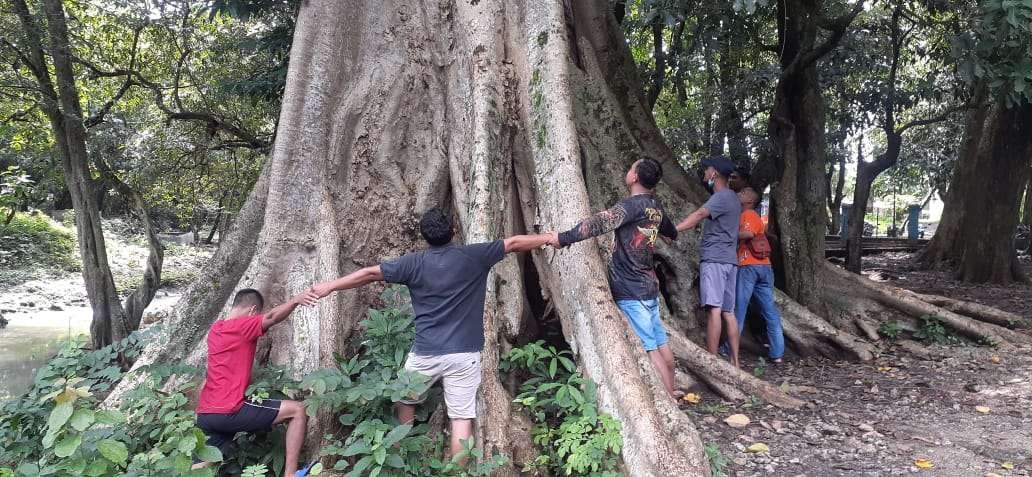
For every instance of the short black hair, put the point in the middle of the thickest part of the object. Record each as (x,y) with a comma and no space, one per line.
(436,227)
(649,172)
(249,297)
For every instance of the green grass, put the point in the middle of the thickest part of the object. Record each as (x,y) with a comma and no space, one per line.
(32,243)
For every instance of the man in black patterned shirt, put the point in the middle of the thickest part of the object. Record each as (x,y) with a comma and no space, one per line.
(638,220)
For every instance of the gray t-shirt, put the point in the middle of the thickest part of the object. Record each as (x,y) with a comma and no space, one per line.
(447,285)
(720,232)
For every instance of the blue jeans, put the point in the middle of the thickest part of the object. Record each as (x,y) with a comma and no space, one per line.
(644,318)
(756,285)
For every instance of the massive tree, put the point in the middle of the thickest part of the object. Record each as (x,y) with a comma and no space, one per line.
(519,117)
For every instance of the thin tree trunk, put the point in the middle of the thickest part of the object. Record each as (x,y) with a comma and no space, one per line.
(61,105)
(1026,210)
(660,58)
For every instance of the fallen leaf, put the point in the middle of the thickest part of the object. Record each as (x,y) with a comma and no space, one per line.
(691,398)
(1007,465)
(737,420)
(758,447)
(982,409)
(924,463)
(995,359)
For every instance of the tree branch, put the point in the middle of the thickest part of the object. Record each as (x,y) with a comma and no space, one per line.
(837,27)
(932,120)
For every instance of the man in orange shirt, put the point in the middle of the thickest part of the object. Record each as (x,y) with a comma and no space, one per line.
(755,281)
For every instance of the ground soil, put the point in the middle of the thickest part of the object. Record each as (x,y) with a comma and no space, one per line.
(879,418)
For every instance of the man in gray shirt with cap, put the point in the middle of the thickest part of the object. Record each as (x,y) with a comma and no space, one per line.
(717,253)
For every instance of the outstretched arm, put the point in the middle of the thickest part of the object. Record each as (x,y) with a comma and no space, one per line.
(693,219)
(598,224)
(281,312)
(525,243)
(354,279)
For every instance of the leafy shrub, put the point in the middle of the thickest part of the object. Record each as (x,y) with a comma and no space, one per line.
(573,437)
(31,240)
(361,392)
(890,329)
(152,434)
(931,329)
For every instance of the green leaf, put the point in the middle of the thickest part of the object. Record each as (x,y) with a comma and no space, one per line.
(110,418)
(552,365)
(59,416)
(97,468)
(357,447)
(28,469)
(187,444)
(396,434)
(316,469)
(380,454)
(82,419)
(68,446)
(210,454)
(360,466)
(394,460)
(113,451)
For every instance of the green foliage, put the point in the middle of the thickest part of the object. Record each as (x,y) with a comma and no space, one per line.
(15,184)
(890,329)
(717,461)
(931,329)
(997,51)
(151,434)
(34,240)
(760,368)
(361,392)
(573,437)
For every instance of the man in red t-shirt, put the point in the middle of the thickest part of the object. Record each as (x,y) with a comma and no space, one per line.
(222,411)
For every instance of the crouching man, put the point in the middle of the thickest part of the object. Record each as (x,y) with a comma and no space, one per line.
(222,411)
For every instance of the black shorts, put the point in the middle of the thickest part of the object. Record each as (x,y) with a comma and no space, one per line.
(251,417)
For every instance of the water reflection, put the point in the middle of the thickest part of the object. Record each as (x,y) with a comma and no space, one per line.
(30,339)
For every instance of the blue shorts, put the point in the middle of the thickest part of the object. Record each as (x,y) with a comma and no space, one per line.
(644,318)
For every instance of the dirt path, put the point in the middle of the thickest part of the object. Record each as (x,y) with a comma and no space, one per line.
(966,409)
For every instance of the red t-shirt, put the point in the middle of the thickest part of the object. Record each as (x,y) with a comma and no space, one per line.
(231,345)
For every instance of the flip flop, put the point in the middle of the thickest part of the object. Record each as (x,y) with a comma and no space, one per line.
(304,471)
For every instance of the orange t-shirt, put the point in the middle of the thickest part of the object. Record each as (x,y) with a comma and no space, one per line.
(749,222)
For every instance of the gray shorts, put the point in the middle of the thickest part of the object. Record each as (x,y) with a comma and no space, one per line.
(460,373)
(717,285)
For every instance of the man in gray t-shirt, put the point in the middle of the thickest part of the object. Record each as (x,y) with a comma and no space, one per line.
(447,284)
(718,256)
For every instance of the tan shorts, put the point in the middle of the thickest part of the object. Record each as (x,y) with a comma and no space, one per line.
(461,375)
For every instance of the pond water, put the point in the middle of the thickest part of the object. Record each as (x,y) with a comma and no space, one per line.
(32,337)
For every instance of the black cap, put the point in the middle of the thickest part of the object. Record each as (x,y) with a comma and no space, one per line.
(722,164)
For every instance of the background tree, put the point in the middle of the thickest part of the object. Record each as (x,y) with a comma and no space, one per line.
(975,235)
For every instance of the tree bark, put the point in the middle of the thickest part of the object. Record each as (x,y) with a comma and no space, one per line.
(61,105)
(660,58)
(797,130)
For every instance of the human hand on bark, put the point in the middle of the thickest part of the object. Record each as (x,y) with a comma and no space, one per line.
(321,289)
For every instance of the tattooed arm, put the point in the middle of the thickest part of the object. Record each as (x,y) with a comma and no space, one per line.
(598,224)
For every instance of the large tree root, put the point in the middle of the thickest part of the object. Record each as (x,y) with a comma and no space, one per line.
(730,383)
(910,304)
(977,311)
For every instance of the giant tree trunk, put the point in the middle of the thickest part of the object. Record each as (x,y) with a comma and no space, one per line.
(520,117)
(975,236)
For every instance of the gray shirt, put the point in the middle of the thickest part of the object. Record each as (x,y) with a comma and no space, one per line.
(720,231)
(447,285)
